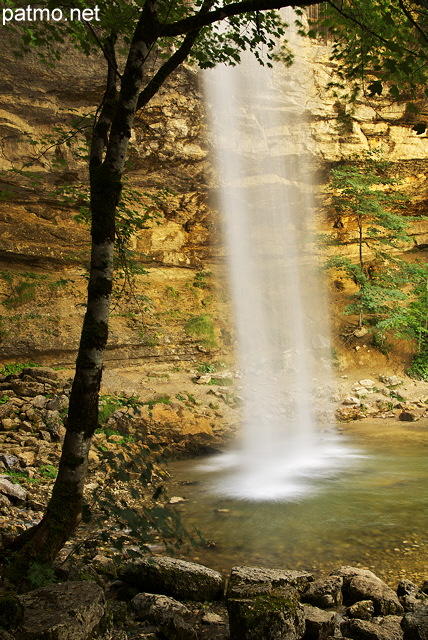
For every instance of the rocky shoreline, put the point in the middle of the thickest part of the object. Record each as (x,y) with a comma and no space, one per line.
(33,405)
(163,598)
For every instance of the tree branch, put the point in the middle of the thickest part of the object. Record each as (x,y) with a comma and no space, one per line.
(364,27)
(200,20)
(412,21)
(103,122)
(172,63)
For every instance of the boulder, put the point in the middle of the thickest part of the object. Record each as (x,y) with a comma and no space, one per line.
(410,595)
(271,614)
(155,608)
(264,603)
(365,630)
(415,624)
(408,416)
(13,491)
(324,593)
(174,577)
(319,624)
(67,611)
(40,373)
(362,584)
(363,610)
(10,462)
(390,381)
(166,613)
(242,578)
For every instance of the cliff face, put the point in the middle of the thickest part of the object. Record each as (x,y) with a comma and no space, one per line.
(44,250)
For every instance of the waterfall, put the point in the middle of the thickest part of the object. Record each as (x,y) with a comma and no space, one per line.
(264,157)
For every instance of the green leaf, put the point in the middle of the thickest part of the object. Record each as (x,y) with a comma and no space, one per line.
(375,88)
(420,128)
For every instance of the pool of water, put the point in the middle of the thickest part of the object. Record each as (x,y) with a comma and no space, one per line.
(374,513)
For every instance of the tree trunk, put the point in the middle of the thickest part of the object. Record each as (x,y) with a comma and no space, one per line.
(42,543)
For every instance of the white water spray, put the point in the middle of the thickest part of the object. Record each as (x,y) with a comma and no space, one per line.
(263,154)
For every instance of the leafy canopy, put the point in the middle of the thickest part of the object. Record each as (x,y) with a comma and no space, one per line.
(250,30)
(380,48)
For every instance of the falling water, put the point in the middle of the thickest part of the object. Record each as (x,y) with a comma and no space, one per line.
(264,157)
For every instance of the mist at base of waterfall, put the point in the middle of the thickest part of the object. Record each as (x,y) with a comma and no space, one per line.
(283,476)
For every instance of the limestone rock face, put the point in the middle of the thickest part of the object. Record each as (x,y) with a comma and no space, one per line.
(44,249)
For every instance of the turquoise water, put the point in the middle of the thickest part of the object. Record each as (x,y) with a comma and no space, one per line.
(372,514)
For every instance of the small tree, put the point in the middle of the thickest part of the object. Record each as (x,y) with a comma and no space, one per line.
(368,216)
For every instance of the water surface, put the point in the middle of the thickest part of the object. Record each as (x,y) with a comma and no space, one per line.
(373,514)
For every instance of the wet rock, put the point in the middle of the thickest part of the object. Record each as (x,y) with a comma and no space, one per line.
(67,611)
(363,610)
(362,584)
(176,578)
(264,603)
(410,595)
(324,593)
(319,624)
(415,624)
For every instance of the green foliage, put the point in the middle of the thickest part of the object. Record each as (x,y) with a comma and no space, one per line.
(200,280)
(379,49)
(201,327)
(146,516)
(15,368)
(419,366)
(207,367)
(361,192)
(40,575)
(48,471)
